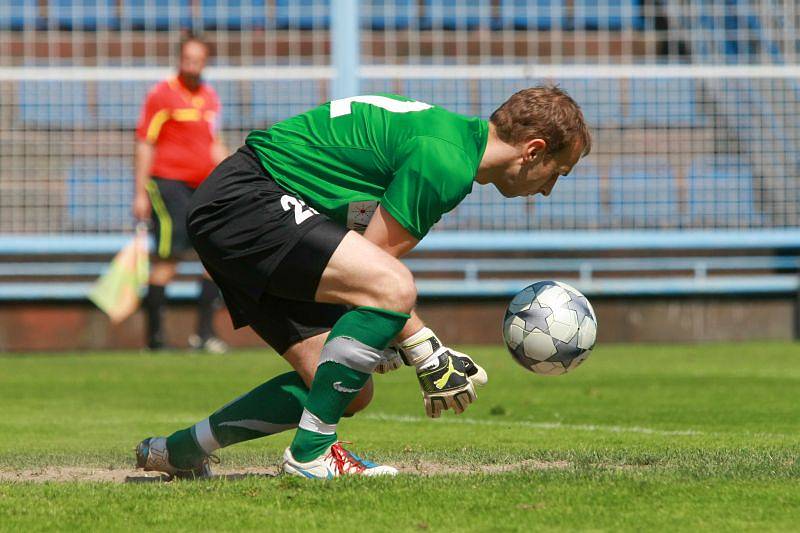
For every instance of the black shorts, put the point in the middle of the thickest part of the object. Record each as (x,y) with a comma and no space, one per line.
(265,249)
(170,201)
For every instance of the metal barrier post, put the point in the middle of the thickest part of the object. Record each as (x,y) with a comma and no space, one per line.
(345,41)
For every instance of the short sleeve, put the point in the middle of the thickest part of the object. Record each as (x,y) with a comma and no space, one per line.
(432,179)
(152,116)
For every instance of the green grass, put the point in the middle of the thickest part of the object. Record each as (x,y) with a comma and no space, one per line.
(643,437)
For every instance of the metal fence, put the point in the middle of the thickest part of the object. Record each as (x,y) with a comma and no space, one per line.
(693,105)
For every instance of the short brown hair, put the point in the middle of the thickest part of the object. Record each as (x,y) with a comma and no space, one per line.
(544,112)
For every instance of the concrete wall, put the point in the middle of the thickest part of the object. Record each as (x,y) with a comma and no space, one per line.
(28,327)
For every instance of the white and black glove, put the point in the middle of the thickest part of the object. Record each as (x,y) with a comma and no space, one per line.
(391,361)
(447,377)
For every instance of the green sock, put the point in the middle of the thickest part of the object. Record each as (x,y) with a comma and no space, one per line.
(328,404)
(353,349)
(270,408)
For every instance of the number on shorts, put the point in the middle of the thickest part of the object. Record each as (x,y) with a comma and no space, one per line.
(342,107)
(301,211)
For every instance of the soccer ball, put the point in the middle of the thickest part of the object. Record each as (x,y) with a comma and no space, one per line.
(550,328)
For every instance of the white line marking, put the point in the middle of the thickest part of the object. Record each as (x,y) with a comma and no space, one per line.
(559,425)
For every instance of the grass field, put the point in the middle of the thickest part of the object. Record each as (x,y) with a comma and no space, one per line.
(638,438)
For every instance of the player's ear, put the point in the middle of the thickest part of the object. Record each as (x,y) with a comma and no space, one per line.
(534,150)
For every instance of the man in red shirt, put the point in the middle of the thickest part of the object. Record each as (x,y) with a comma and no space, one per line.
(177,146)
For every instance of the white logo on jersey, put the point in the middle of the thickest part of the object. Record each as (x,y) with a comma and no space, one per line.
(341,107)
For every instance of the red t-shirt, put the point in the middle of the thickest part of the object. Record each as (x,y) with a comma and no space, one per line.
(182,125)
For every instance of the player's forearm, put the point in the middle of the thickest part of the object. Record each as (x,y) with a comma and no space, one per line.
(143,161)
(386,233)
(413,325)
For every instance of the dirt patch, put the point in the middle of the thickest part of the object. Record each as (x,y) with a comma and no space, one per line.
(71,474)
(429,468)
(117,475)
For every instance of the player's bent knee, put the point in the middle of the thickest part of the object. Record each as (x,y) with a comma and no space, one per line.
(394,289)
(362,400)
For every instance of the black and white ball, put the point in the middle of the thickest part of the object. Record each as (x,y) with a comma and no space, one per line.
(550,328)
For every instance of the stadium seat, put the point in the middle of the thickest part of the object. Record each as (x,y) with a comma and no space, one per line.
(456,14)
(531,15)
(453,95)
(733,34)
(119,102)
(600,99)
(643,193)
(663,102)
(382,85)
(390,15)
(486,209)
(233,14)
(156,14)
(18,15)
(99,190)
(303,14)
(575,202)
(612,15)
(54,105)
(492,93)
(273,101)
(231,102)
(88,15)
(721,192)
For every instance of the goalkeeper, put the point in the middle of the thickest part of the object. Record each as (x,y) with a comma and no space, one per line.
(302,229)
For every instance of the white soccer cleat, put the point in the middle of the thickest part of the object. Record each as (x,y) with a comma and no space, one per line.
(212,345)
(152,455)
(335,462)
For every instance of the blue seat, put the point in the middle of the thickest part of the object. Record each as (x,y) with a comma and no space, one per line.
(273,101)
(734,32)
(119,103)
(663,102)
(492,93)
(531,15)
(303,14)
(600,100)
(233,14)
(453,95)
(387,14)
(643,193)
(18,15)
(156,14)
(456,14)
(486,209)
(231,103)
(56,105)
(99,193)
(613,15)
(575,201)
(89,15)
(721,193)
(374,86)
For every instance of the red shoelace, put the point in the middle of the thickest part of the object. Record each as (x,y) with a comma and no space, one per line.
(345,461)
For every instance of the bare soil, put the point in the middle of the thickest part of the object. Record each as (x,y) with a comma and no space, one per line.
(130,475)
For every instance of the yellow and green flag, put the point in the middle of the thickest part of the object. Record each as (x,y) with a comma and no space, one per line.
(117,292)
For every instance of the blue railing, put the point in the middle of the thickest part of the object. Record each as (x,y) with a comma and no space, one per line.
(757,262)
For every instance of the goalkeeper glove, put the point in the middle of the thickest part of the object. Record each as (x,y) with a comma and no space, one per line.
(391,361)
(447,377)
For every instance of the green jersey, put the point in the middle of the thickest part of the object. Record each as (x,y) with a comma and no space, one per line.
(345,157)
